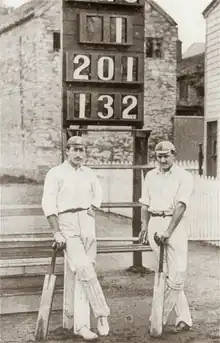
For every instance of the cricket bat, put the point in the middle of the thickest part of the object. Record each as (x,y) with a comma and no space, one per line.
(46,301)
(156,326)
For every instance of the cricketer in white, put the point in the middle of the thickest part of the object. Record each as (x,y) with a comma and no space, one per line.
(166,194)
(71,194)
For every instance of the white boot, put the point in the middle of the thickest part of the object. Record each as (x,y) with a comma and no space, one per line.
(103,326)
(86,334)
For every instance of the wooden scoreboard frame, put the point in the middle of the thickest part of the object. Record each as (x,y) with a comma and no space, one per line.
(102,44)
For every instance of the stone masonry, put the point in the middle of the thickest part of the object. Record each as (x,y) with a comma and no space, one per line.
(31,93)
(160,76)
(31,123)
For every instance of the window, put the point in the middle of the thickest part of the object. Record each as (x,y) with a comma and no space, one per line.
(214,149)
(56,41)
(154,47)
(211,148)
(105,29)
(183,90)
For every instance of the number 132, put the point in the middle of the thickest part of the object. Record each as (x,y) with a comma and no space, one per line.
(105,108)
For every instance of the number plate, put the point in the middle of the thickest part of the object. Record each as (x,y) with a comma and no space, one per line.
(105,29)
(98,68)
(104,106)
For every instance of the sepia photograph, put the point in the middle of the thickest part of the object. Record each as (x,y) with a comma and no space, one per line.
(110,171)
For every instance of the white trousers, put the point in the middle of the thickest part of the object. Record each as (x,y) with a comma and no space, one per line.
(175,266)
(81,248)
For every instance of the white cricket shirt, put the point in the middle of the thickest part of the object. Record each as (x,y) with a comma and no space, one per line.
(66,188)
(162,191)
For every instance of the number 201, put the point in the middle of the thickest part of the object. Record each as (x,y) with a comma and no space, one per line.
(109,61)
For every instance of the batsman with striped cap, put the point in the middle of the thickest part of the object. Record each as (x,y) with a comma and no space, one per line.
(166,194)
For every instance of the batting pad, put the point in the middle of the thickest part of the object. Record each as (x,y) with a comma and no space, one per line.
(92,288)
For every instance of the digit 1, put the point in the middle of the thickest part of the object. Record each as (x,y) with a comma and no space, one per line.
(130,66)
(118,23)
(82,105)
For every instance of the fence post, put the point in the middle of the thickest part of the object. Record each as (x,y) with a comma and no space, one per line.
(201,157)
(140,156)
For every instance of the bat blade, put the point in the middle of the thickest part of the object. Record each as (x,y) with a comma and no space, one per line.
(45,307)
(156,326)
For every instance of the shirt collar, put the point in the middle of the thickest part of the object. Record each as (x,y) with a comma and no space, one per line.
(171,171)
(68,165)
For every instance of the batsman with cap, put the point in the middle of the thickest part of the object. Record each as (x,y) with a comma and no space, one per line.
(71,194)
(166,194)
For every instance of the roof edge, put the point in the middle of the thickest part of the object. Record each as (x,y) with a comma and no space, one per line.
(33,11)
(8,26)
(193,56)
(159,9)
(210,7)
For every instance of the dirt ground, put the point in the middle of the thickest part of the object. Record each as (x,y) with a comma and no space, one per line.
(129,295)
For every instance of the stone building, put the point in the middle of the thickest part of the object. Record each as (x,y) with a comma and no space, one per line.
(30,89)
(160,72)
(189,120)
(212,90)
(31,85)
(190,83)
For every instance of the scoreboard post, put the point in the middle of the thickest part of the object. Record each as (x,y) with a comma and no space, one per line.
(102,44)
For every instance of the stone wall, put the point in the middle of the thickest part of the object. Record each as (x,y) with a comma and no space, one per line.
(110,148)
(160,78)
(31,96)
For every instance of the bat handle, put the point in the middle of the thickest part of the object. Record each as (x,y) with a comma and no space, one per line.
(161,258)
(53,261)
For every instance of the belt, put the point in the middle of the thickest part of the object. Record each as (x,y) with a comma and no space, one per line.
(161,214)
(73,210)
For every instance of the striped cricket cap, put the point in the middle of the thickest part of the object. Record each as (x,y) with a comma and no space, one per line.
(164,147)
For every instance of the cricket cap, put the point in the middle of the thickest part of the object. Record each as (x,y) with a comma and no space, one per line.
(164,147)
(75,140)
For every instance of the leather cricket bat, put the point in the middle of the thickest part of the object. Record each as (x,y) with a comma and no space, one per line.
(46,301)
(156,326)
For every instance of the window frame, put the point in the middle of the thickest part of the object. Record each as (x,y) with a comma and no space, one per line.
(56,41)
(106,33)
(153,42)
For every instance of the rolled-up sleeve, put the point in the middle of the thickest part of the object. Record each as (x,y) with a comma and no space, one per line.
(185,189)
(145,197)
(50,193)
(96,191)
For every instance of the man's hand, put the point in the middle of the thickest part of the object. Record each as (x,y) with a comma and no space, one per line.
(91,211)
(161,238)
(60,240)
(143,236)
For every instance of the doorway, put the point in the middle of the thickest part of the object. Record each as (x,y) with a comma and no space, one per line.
(211,166)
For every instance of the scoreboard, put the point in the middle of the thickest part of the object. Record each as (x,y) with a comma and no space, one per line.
(102,44)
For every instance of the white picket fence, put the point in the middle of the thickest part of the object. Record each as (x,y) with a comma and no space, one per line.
(203,213)
(189,165)
(204,210)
